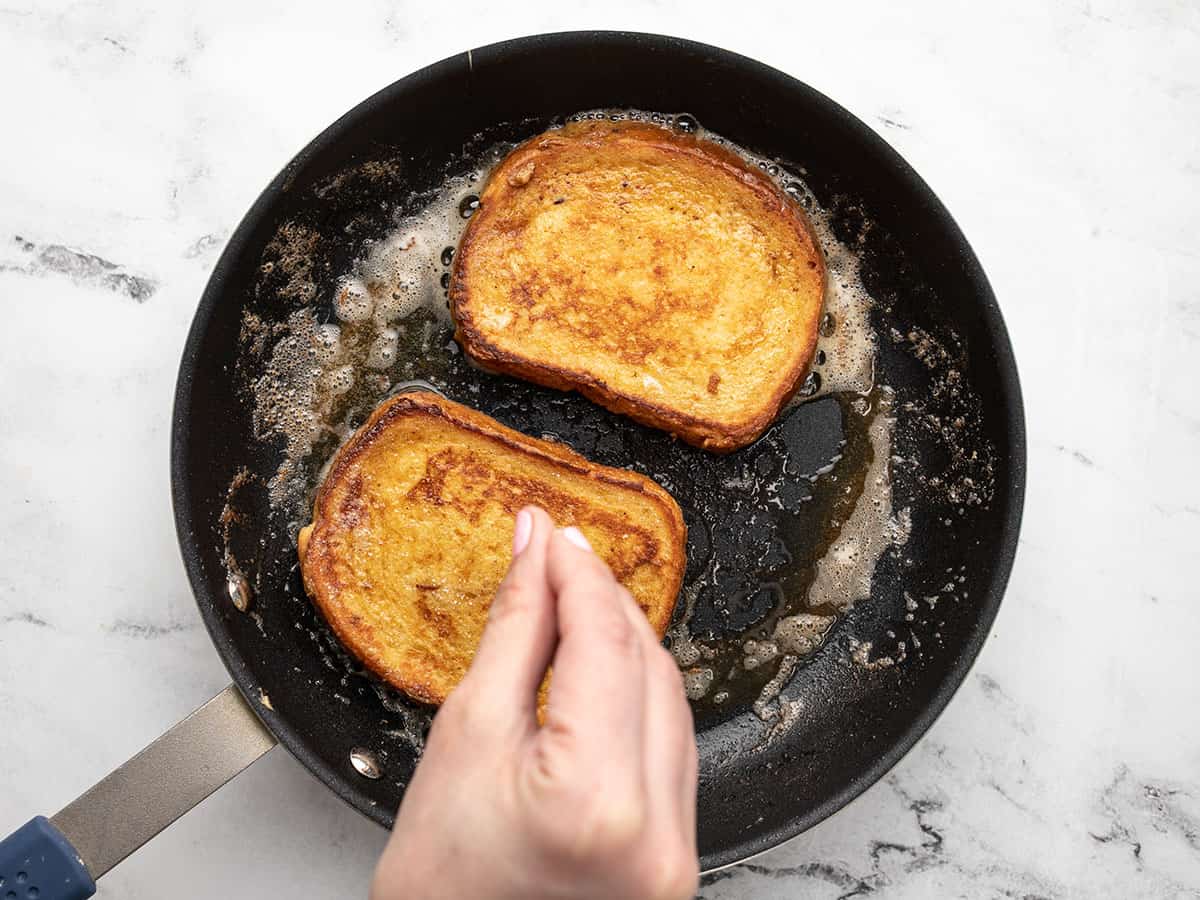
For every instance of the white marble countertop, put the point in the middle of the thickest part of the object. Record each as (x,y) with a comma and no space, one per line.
(1065,138)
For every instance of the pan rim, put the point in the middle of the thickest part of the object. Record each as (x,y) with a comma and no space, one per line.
(1010,406)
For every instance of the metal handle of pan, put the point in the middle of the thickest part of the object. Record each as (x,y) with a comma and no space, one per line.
(60,858)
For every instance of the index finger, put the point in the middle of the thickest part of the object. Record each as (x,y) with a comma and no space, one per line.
(518,640)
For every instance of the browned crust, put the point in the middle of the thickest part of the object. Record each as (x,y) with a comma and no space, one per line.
(316,561)
(719,437)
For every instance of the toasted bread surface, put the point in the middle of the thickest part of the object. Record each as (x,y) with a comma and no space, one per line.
(658,274)
(412,533)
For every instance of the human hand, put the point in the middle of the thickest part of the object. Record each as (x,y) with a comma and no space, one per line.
(600,802)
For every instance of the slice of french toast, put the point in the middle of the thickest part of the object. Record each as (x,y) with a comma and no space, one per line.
(412,533)
(658,274)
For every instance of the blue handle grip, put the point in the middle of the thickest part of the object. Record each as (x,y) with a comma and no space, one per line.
(38,863)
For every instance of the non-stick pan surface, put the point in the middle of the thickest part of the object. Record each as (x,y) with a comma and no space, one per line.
(943,349)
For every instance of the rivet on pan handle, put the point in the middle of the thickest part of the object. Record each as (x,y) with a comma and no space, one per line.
(60,858)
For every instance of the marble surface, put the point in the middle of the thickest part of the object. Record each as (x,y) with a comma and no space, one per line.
(1064,137)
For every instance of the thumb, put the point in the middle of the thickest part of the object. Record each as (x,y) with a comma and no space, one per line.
(518,640)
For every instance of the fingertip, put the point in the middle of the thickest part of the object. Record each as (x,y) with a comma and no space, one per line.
(532,529)
(568,563)
(575,536)
(522,531)
(540,518)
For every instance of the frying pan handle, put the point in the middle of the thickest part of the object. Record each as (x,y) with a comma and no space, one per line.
(37,861)
(60,858)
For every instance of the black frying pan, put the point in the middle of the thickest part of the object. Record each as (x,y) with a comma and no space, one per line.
(959,442)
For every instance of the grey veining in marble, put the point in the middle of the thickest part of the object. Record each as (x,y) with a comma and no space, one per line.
(1065,139)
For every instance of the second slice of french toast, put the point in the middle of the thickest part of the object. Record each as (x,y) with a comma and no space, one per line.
(412,533)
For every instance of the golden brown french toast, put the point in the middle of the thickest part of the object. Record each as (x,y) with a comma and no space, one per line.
(412,533)
(656,273)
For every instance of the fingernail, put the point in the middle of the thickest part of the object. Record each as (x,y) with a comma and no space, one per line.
(575,536)
(522,532)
